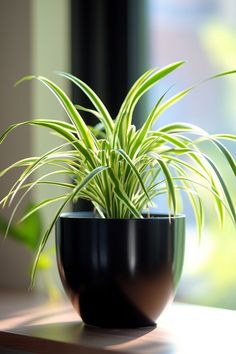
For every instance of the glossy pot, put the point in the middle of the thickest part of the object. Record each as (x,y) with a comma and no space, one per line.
(120,272)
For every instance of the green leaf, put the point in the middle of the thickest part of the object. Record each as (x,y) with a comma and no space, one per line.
(28,232)
(121,194)
(76,190)
(224,187)
(209,189)
(104,115)
(91,111)
(182,127)
(168,178)
(134,88)
(133,168)
(226,154)
(126,102)
(20,163)
(125,115)
(32,169)
(185,164)
(155,113)
(65,130)
(194,199)
(225,136)
(40,205)
(222,74)
(70,109)
(31,229)
(29,187)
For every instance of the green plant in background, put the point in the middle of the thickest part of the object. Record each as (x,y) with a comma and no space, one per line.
(29,233)
(124,170)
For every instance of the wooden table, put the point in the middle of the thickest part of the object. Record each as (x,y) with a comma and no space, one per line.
(32,325)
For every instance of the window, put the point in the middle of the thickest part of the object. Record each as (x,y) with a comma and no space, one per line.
(203,33)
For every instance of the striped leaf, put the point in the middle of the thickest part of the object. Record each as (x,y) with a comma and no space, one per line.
(76,190)
(104,115)
(70,109)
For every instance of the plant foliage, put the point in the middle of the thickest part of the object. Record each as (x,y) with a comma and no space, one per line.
(123,169)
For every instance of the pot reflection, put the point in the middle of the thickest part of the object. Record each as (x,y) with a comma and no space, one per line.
(120,272)
(150,294)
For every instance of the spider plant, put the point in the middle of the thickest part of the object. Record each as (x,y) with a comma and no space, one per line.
(122,171)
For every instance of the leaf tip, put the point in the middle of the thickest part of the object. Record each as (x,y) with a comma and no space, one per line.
(25,78)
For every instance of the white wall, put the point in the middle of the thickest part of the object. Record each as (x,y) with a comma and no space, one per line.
(34,38)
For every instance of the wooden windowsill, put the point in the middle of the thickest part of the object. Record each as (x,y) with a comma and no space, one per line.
(35,326)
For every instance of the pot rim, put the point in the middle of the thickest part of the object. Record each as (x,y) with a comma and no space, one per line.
(92,215)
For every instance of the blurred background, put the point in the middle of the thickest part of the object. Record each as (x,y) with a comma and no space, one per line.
(108,45)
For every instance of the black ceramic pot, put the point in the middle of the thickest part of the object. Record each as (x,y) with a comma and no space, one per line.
(120,272)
